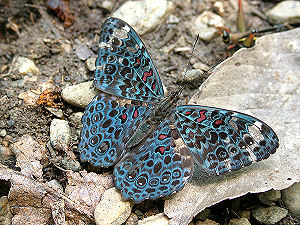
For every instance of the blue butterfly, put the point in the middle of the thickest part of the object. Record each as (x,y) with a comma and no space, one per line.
(153,144)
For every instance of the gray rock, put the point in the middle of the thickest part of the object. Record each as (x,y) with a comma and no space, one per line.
(262,81)
(83,52)
(69,163)
(291,198)
(192,75)
(159,219)
(79,95)
(112,209)
(60,135)
(241,221)
(285,12)
(270,197)
(205,25)
(144,15)
(270,215)
(90,63)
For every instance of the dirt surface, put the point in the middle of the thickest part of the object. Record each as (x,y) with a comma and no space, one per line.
(42,37)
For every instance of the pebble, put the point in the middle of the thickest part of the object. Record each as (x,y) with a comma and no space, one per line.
(25,66)
(291,199)
(145,15)
(245,214)
(79,95)
(75,118)
(55,111)
(60,134)
(192,74)
(205,25)
(5,214)
(83,52)
(70,164)
(132,219)
(55,185)
(112,209)
(90,63)
(270,215)
(270,197)
(159,219)
(285,12)
(3,133)
(241,221)
(219,7)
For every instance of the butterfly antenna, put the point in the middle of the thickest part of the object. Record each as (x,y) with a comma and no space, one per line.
(189,62)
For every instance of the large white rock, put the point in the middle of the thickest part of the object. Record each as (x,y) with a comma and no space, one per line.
(262,81)
(146,15)
(285,12)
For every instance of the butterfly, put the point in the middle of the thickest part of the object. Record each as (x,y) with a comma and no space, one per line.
(153,144)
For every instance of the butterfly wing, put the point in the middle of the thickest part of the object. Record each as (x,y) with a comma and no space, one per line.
(124,67)
(158,168)
(222,140)
(108,122)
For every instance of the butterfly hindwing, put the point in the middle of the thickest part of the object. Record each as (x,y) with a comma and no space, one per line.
(124,67)
(158,168)
(108,122)
(221,140)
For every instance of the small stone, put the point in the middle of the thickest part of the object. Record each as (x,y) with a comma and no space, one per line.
(112,209)
(145,15)
(5,214)
(75,118)
(60,134)
(270,197)
(55,111)
(55,184)
(203,215)
(159,219)
(207,222)
(83,52)
(172,19)
(192,75)
(241,221)
(79,95)
(90,63)
(219,7)
(10,123)
(106,5)
(132,219)
(3,133)
(205,25)
(270,215)
(291,198)
(70,164)
(201,66)
(285,12)
(25,66)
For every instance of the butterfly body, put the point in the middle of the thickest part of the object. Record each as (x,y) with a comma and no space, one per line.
(152,143)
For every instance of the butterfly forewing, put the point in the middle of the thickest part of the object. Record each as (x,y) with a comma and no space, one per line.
(108,122)
(124,66)
(158,168)
(221,140)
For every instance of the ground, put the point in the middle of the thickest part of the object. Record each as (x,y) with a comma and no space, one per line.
(42,37)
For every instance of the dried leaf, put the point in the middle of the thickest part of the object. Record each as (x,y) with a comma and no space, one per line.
(30,154)
(87,188)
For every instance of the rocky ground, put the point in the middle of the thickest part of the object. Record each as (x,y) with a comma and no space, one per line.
(43,56)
